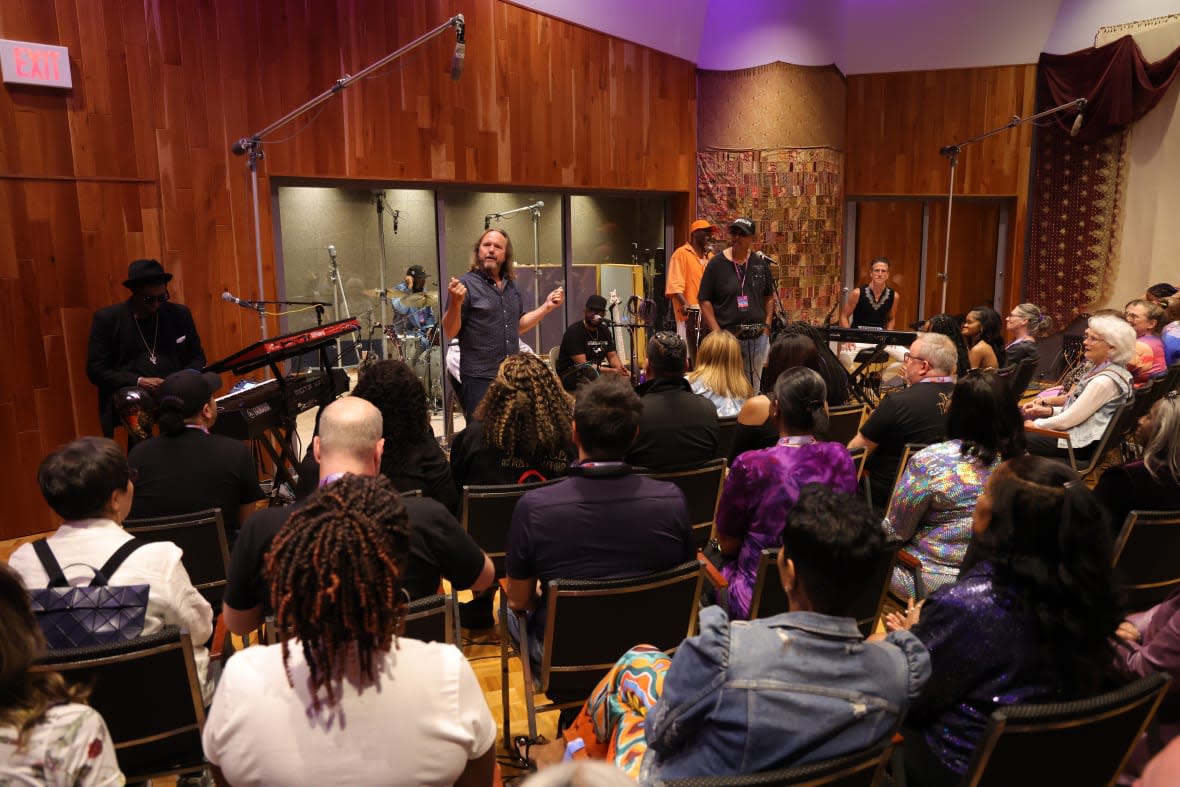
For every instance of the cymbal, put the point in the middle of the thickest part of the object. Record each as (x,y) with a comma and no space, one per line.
(415,300)
(377,292)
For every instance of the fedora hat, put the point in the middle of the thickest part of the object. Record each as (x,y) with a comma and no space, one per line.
(146,272)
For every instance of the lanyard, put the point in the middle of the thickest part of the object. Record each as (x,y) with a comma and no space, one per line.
(741,271)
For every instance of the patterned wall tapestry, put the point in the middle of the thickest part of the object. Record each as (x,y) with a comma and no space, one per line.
(1073,243)
(796,198)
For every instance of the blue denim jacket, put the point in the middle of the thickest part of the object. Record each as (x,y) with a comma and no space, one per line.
(743,697)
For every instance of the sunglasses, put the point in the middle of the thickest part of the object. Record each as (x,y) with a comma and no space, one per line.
(150,299)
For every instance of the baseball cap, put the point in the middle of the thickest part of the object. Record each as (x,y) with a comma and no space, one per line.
(187,391)
(742,226)
(416,271)
(596,302)
(701,224)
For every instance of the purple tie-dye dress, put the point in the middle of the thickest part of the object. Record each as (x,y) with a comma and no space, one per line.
(762,486)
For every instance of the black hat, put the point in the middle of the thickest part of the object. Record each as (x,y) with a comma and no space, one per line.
(742,226)
(416,271)
(596,302)
(187,391)
(142,273)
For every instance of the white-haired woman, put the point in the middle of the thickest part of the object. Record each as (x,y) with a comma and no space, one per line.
(1153,482)
(1108,344)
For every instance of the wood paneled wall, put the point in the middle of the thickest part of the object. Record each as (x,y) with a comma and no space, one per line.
(898,122)
(135,160)
(893,229)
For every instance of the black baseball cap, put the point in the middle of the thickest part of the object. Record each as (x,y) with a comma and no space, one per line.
(596,302)
(742,226)
(187,391)
(416,271)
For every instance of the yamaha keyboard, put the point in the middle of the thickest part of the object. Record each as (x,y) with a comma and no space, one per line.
(836,333)
(280,348)
(248,414)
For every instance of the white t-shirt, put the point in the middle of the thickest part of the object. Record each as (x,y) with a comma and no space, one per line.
(419,725)
(69,748)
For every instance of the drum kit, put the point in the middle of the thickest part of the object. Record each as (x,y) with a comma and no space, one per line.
(417,346)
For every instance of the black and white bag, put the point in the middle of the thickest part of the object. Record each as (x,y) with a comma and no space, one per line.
(94,614)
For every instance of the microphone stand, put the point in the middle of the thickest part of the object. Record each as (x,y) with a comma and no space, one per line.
(952,153)
(252,145)
(535,210)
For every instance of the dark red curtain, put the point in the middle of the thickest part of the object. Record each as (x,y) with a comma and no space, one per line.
(1076,191)
(1118,84)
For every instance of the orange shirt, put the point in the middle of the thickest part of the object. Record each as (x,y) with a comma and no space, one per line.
(684,275)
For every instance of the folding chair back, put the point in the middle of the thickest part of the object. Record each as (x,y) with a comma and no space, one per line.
(702,490)
(201,537)
(844,422)
(431,619)
(1145,564)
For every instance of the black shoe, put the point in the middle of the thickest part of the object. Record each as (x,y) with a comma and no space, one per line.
(477,613)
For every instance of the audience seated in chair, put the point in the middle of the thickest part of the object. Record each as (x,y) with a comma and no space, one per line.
(933,504)
(786,690)
(603,521)
(415,460)
(186,469)
(88,484)
(48,735)
(678,427)
(342,699)
(1150,358)
(762,486)
(1025,323)
(1150,642)
(1085,412)
(1030,619)
(718,374)
(914,415)
(521,429)
(350,442)
(1153,482)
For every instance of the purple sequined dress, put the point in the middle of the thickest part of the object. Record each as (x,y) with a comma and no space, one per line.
(983,655)
(762,486)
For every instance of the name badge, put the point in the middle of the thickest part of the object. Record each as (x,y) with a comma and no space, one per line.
(743,302)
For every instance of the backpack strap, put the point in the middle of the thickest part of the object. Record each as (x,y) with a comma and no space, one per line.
(57,579)
(103,575)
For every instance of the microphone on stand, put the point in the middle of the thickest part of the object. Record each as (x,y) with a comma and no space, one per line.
(537,205)
(332,252)
(1077,121)
(229,297)
(460,48)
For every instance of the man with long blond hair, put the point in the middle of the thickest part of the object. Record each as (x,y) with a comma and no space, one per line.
(485,311)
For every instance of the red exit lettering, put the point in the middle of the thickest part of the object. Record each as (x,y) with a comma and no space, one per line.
(36,63)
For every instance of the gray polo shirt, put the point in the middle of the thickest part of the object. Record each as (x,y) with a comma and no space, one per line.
(491,325)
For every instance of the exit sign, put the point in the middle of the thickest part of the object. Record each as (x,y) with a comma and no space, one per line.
(25,63)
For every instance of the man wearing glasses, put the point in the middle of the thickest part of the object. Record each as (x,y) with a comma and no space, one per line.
(139,342)
(916,414)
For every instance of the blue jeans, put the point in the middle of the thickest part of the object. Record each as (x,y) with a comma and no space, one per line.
(754,354)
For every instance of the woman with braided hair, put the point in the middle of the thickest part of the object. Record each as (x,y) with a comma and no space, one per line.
(322,706)
(520,431)
(763,485)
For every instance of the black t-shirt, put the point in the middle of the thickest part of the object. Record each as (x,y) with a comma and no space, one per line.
(677,428)
(915,415)
(191,472)
(579,340)
(473,461)
(721,285)
(421,466)
(439,547)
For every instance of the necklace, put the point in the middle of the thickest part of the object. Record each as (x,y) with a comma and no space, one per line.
(876,303)
(151,350)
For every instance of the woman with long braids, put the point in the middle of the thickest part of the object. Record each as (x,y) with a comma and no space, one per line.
(520,431)
(342,699)
(763,485)
(48,735)
(1030,619)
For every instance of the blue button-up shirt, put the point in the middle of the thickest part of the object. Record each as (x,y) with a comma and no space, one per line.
(491,325)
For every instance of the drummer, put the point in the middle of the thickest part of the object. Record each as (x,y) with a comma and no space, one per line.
(588,346)
(410,300)
(872,306)
(684,281)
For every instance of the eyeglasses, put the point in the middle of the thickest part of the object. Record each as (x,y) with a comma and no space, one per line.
(150,299)
(911,357)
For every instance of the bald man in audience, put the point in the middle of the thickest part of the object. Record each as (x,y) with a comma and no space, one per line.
(350,442)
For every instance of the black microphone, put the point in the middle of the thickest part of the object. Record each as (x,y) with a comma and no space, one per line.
(1077,122)
(241,146)
(460,48)
(229,297)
